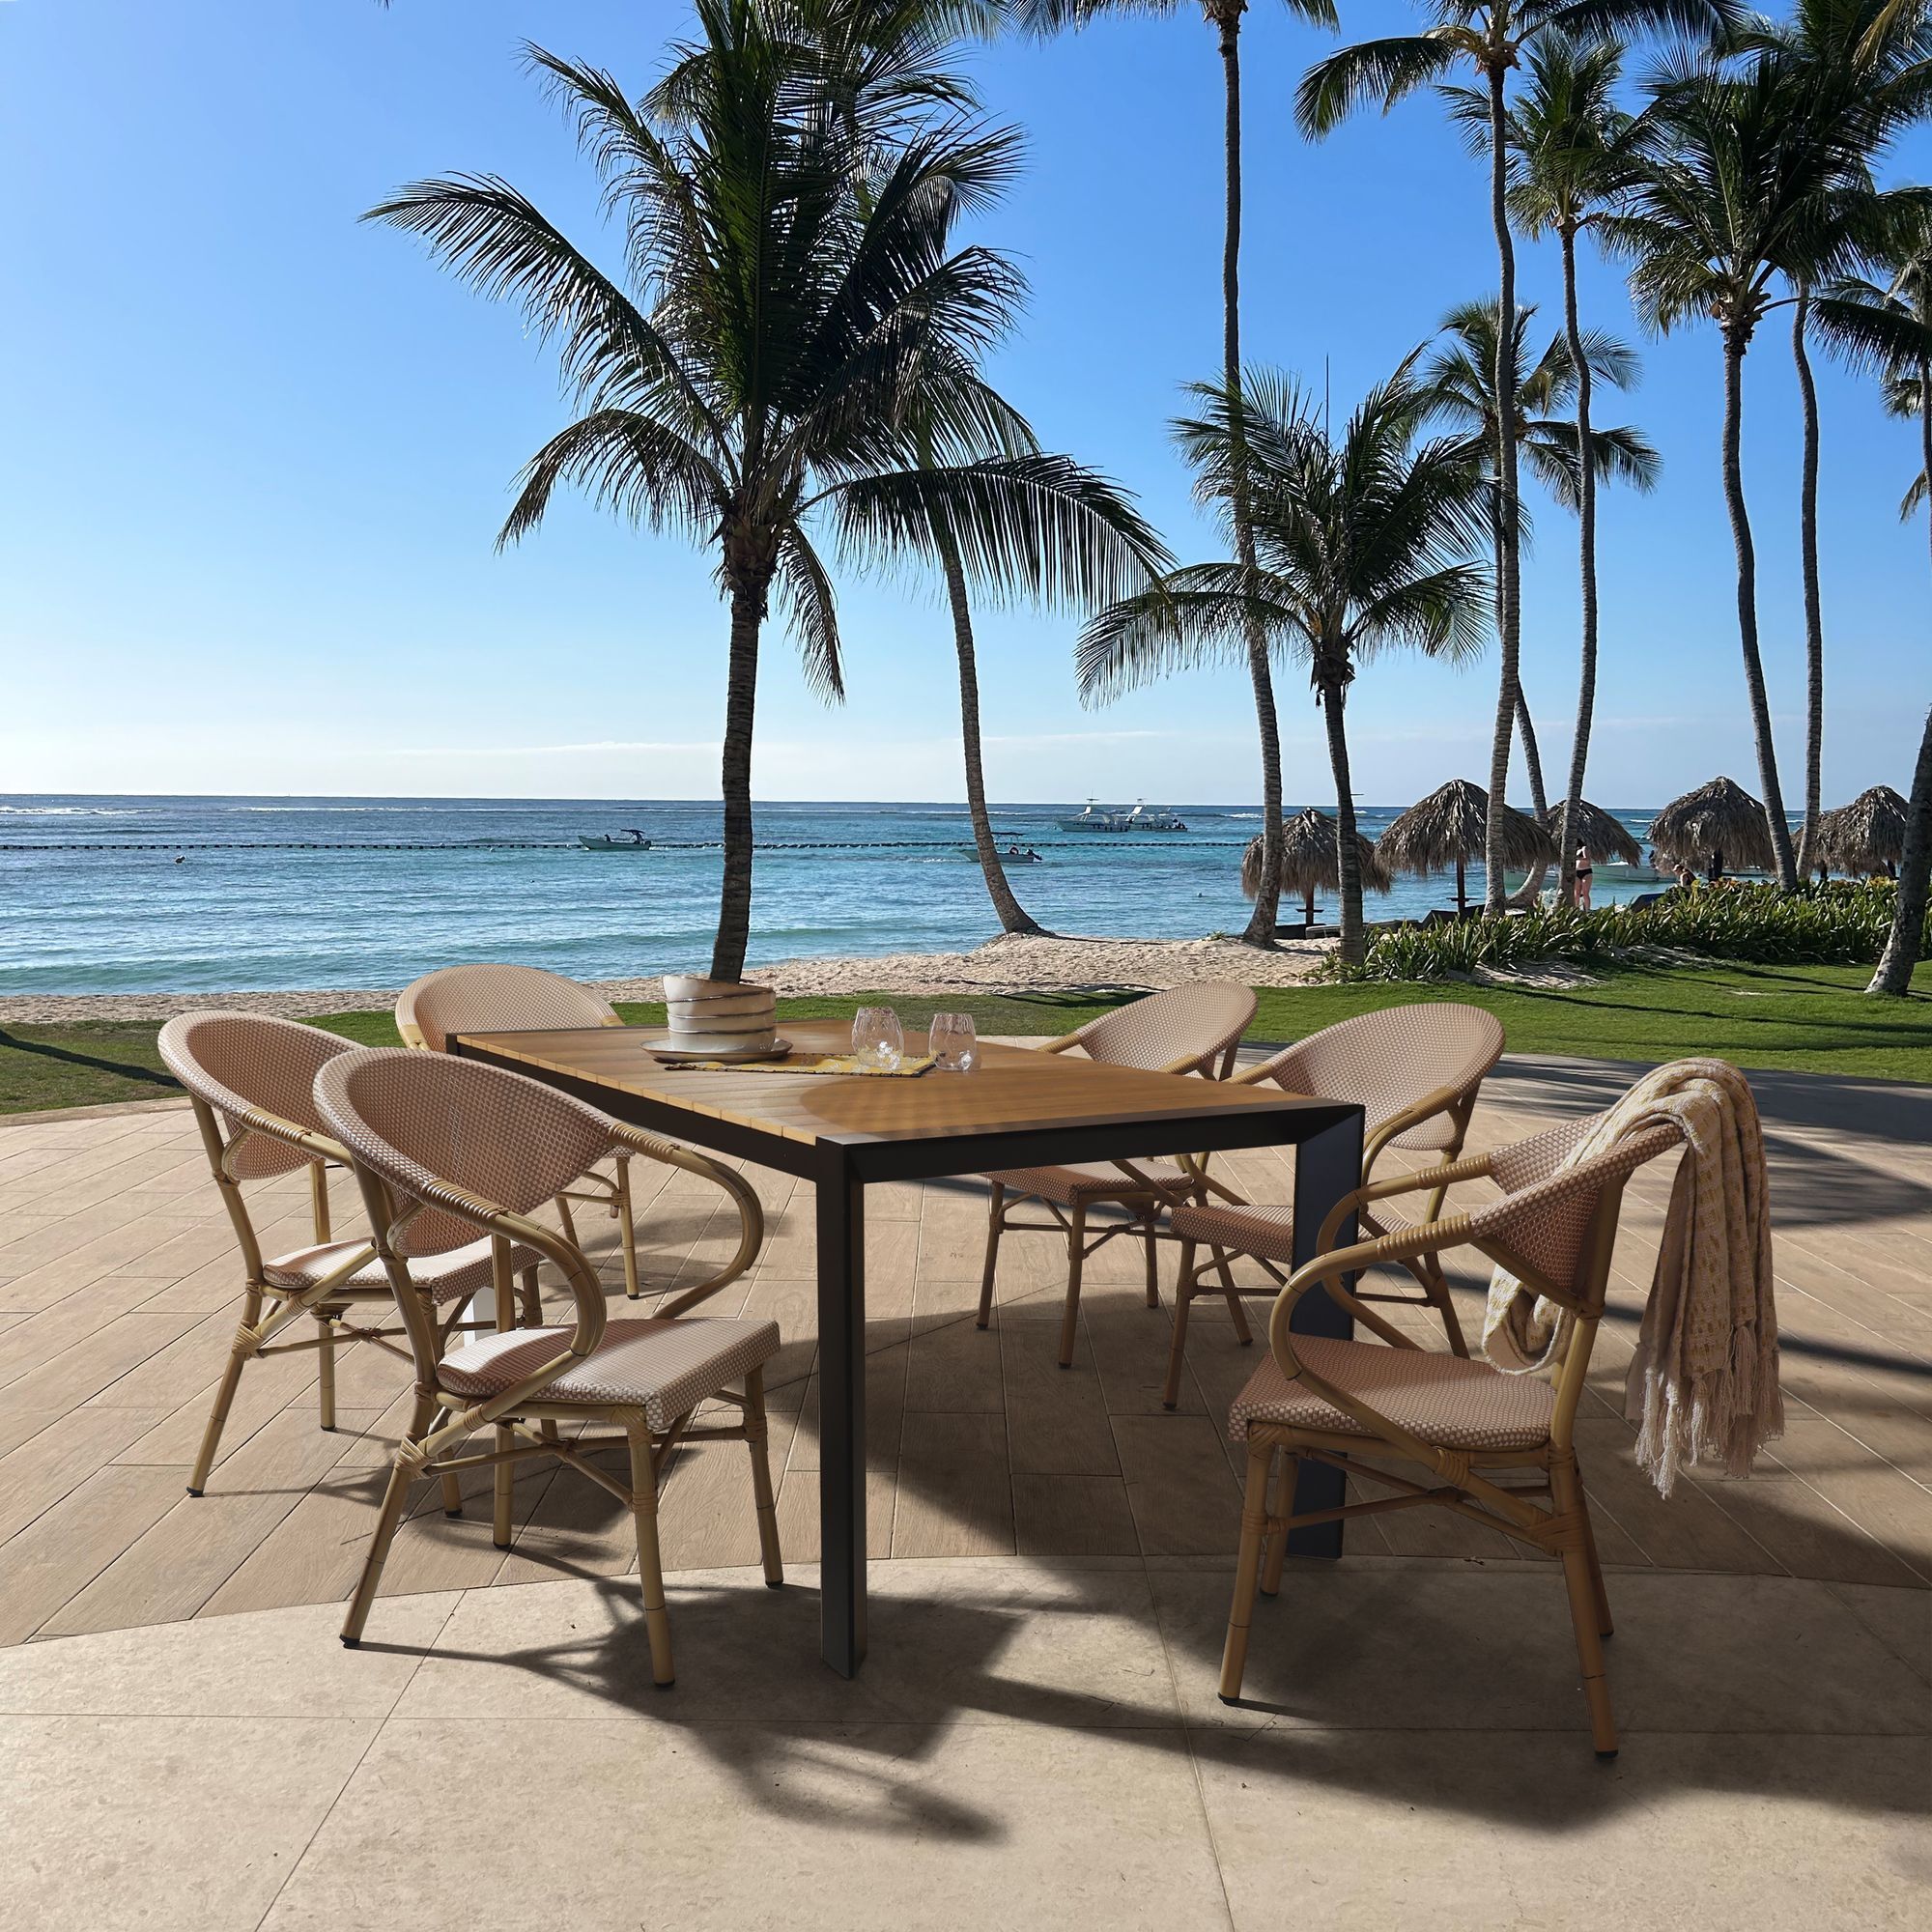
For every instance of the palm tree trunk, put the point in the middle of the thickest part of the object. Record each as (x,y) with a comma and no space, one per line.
(1741,537)
(1261,922)
(1539,799)
(1908,913)
(1347,855)
(1814,622)
(1013,917)
(741,696)
(1915,866)
(1586,554)
(1509,593)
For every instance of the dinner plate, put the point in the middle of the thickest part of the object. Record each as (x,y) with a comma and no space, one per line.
(675,1055)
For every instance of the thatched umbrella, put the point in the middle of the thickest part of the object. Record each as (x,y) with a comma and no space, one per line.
(1866,836)
(1311,860)
(1593,828)
(1718,822)
(1448,828)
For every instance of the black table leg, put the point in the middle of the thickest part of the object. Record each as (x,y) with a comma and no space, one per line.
(842,1414)
(1326,1166)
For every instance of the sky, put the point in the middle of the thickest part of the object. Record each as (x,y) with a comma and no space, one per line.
(253,454)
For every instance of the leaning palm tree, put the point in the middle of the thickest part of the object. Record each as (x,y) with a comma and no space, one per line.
(1741,184)
(1570,144)
(1464,373)
(801,314)
(1490,37)
(1052,17)
(1865,69)
(1362,541)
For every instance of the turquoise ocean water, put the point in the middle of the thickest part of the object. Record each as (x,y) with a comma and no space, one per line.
(103,894)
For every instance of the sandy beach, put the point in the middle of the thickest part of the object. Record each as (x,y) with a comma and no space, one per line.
(1013,963)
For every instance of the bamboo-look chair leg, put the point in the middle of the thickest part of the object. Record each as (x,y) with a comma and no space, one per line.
(1254,1527)
(1183,1297)
(627,1233)
(569,1224)
(395,1499)
(224,1396)
(1605,1626)
(1150,1237)
(1076,1259)
(1223,1267)
(531,1297)
(1584,1613)
(506,1474)
(996,1221)
(1438,1286)
(1288,1468)
(761,1480)
(650,1563)
(325,1363)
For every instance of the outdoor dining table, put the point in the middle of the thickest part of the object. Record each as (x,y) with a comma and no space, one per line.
(1015,1108)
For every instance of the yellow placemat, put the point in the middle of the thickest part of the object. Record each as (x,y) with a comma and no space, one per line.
(829,1063)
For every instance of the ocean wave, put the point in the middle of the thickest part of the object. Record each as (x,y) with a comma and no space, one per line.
(67,811)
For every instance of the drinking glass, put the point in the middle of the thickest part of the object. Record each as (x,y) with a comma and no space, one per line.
(953,1042)
(877,1037)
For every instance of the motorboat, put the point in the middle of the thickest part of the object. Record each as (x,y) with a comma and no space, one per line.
(629,838)
(1139,819)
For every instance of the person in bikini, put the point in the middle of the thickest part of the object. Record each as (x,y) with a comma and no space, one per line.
(1583,872)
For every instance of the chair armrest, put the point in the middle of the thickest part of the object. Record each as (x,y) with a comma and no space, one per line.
(751,1213)
(1444,1174)
(259,1120)
(1441,1100)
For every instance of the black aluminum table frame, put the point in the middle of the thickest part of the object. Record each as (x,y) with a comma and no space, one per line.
(1326,1134)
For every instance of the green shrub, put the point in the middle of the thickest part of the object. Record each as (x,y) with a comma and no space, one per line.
(1841,924)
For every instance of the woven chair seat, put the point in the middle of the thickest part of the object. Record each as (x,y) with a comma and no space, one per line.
(1446,1400)
(455,1272)
(1094,1180)
(664,1367)
(1266,1232)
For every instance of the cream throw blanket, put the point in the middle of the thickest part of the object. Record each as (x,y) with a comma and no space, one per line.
(1703,1383)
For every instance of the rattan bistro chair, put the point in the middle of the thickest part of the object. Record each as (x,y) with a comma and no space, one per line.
(1185,1030)
(446,1150)
(523,999)
(1462,1422)
(1417,1071)
(250,1079)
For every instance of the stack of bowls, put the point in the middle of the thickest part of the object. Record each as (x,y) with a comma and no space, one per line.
(719,1019)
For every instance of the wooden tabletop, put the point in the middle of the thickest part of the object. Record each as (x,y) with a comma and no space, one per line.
(1012,1089)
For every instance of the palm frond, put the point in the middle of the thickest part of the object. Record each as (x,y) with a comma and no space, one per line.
(626,462)
(811,614)
(1380,72)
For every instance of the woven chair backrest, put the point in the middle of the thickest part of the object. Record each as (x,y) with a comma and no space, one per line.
(1546,1213)
(1197,1023)
(231,1061)
(495,998)
(1387,1061)
(417,1119)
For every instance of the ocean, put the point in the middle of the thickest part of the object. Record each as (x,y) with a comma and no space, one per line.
(113,895)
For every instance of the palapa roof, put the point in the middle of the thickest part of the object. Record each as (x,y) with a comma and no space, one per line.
(1596,831)
(1451,824)
(1865,835)
(1311,859)
(1720,816)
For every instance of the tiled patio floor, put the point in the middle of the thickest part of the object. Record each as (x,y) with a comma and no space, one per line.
(1044,1637)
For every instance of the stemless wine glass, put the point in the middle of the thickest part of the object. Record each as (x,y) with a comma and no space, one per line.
(877,1038)
(952,1043)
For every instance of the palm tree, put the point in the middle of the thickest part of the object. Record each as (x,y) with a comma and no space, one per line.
(1740,183)
(1491,37)
(1051,17)
(1863,64)
(1462,373)
(802,315)
(1908,392)
(1362,541)
(1570,144)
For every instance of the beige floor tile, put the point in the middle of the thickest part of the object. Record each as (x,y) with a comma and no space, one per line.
(1073,1516)
(694,1825)
(1900,1619)
(162,1822)
(955,1494)
(60,1458)
(1183,1495)
(1517,1831)
(62,1551)
(276,1663)
(1341,1646)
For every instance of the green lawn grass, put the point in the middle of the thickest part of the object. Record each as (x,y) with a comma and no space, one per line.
(1813,1019)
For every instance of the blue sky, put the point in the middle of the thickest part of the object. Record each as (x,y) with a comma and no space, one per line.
(256,454)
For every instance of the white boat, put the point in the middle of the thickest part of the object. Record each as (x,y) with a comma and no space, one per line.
(1139,819)
(628,839)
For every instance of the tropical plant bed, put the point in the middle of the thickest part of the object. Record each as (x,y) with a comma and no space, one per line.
(1841,924)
